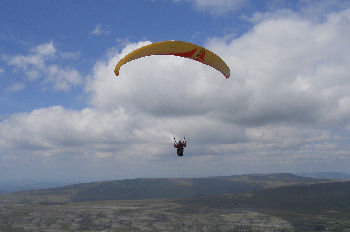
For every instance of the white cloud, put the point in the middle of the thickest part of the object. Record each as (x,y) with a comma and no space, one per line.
(16,86)
(286,71)
(99,30)
(63,79)
(293,66)
(42,63)
(55,129)
(45,49)
(70,55)
(317,11)
(218,6)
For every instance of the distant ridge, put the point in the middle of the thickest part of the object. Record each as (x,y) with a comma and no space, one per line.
(157,188)
(327,175)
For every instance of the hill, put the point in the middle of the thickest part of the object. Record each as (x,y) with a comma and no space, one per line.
(327,175)
(136,189)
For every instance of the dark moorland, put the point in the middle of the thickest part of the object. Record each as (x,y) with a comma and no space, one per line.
(156,188)
(272,202)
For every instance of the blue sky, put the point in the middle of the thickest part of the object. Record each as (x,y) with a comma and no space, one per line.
(71,26)
(65,116)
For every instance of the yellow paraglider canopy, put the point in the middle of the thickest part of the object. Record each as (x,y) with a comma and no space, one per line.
(177,48)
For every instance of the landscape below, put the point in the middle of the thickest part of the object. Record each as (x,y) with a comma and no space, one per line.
(257,202)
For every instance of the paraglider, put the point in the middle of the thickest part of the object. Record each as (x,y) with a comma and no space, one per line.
(177,48)
(180,146)
(182,49)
